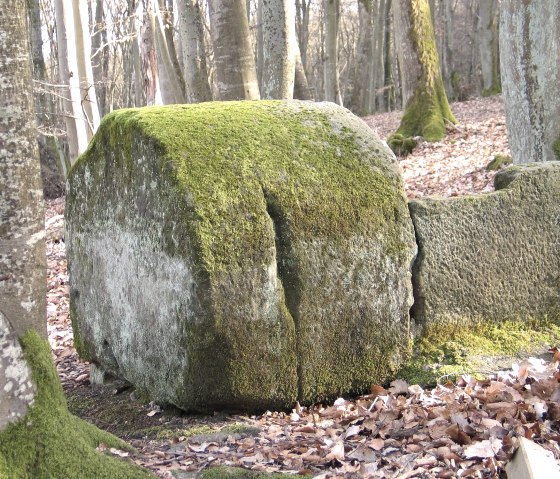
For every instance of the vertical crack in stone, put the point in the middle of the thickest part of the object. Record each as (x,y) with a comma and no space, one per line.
(417,309)
(287,268)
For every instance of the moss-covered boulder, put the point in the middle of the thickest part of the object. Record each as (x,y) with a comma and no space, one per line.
(240,254)
(493,257)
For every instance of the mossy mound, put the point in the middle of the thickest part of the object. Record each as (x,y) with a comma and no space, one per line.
(492,257)
(498,162)
(240,254)
(51,443)
(401,145)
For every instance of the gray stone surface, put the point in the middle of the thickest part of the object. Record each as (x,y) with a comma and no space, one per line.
(490,257)
(240,254)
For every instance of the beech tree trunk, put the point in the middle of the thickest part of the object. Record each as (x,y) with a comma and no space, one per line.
(22,245)
(88,100)
(233,54)
(530,68)
(331,78)
(76,129)
(279,49)
(488,19)
(426,105)
(148,53)
(194,51)
(170,83)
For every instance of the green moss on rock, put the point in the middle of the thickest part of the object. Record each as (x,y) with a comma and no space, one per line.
(51,443)
(498,162)
(444,353)
(273,226)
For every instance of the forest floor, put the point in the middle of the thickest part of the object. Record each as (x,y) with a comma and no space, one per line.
(465,429)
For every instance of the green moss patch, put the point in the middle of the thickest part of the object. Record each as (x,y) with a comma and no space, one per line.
(443,354)
(240,473)
(51,443)
(498,162)
(401,145)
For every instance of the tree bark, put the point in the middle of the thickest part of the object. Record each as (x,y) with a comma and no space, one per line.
(331,79)
(76,130)
(194,51)
(530,67)
(233,54)
(22,231)
(170,84)
(488,19)
(279,49)
(150,73)
(427,108)
(88,100)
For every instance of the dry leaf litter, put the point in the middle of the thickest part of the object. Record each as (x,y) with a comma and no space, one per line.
(468,429)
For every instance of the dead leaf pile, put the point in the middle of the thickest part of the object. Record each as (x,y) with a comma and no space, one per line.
(468,429)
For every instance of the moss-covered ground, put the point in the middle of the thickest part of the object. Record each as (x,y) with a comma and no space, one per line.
(443,354)
(50,443)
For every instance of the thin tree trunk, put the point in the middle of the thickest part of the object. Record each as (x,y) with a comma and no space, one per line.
(152,92)
(301,86)
(88,96)
(171,90)
(100,57)
(75,126)
(488,19)
(331,79)
(279,49)
(233,54)
(194,51)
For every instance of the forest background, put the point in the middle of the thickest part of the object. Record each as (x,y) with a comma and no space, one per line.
(131,53)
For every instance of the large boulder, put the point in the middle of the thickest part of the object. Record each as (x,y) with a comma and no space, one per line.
(492,257)
(240,254)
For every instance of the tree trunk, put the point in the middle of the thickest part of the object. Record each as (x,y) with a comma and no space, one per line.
(331,79)
(152,92)
(302,29)
(279,49)
(488,19)
(301,86)
(363,85)
(427,108)
(170,84)
(90,110)
(194,51)
(233,54)
(529,60)
(100,57)
(76,130)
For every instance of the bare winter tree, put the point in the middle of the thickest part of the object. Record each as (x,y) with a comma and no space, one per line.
(530,69)
(233,53)
(488,19)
